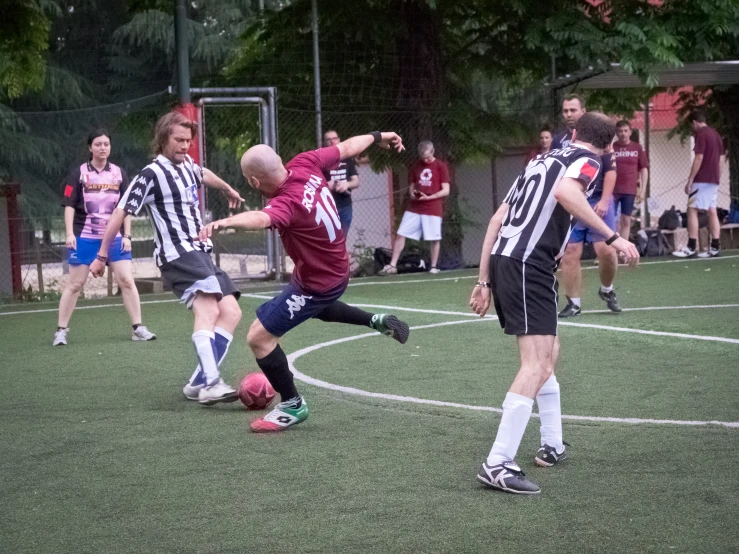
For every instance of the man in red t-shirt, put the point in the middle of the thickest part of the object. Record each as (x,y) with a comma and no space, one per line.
(632,172)
(300,206)
(702,186)
(428,185)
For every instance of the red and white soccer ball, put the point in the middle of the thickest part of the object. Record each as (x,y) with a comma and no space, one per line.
(255,391)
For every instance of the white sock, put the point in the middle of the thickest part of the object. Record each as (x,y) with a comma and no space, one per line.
(575,301)
(223,341)
(604,288)
(516,413)
(205,346)
(550,413)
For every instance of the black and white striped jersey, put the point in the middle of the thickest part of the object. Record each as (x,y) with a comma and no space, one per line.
(170,194)
(537,227)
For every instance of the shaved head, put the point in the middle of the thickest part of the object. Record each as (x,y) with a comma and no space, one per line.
(260,161)
(263,169)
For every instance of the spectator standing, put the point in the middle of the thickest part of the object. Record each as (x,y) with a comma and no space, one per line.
(632,172)
(545,143)
(702,186)
(91,192)
(341,180)
(573,106)
(428,185)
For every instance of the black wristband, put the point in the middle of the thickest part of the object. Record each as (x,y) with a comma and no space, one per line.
(102,258)
(377,135)
(483,284)
(127,237)
(613,238)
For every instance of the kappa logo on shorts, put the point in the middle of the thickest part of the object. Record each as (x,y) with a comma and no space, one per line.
(295,303)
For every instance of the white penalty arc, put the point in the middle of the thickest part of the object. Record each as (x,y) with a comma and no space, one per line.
(413,400)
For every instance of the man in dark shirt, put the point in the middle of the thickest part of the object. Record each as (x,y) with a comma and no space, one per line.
(702,186)
(342,180)
(573,106)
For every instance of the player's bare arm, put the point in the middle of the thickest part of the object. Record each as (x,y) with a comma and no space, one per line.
(697,162)
(609,183)
(126,240)
(356,145)
(214,181)
(244,220)
(569,193)
(111,230)
(642,185)
(480,299)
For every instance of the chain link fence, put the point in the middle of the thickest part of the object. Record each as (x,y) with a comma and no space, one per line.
(484,158)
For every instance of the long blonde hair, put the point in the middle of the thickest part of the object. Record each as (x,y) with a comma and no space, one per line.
(163,129)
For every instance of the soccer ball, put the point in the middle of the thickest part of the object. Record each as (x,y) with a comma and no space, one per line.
(255,391)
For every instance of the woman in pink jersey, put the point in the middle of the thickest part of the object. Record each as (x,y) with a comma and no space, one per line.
(90,194)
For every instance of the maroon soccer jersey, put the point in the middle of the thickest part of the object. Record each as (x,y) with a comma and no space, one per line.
(630,160)
(427,178)
(708,142)
(304,213)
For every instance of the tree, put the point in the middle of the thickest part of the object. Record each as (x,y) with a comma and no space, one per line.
(24,38)
(469,75)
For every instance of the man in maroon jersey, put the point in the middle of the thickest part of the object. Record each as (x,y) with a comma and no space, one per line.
(632,171)
(302,209)
(702,186)
(428,184)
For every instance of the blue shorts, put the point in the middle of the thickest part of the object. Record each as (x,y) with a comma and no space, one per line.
(87,250)
(293,306)
(625,202)
(583,233)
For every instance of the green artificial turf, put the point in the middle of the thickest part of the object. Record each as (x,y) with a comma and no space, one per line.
(99,452)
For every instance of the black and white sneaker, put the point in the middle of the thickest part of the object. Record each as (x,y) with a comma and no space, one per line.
(506,477)
(610,299)
(547,456)
(570,310)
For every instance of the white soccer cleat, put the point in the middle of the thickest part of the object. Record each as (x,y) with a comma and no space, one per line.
(434,270)
(217,392)
(388,270)
(142,333)
(192,392)
(684,252)
(60,337)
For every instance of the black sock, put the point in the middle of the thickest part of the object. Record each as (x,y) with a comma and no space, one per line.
(136,326)
(277,371)
(692,243)
(715,244)
(338,312)
(60,328)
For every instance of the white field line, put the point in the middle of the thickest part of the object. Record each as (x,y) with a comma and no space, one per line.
(410,399)
(654,308)
(262,295)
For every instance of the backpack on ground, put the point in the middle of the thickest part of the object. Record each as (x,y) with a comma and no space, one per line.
(652,243)
(669,220)
(410,262)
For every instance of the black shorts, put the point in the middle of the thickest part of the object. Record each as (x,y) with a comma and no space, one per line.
(195,272)
(525,297)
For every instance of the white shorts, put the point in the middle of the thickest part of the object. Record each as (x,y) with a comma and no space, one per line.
(703,196)
(414,225)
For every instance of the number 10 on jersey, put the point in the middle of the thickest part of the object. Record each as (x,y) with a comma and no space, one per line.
(328,215)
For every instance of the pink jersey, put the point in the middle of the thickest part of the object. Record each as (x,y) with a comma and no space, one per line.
(304,213)
(94,195)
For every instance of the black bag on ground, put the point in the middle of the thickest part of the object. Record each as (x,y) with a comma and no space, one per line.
(408,263)
(669,220)
(652,243)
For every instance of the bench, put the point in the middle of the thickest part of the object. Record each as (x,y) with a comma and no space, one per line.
(677,238)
